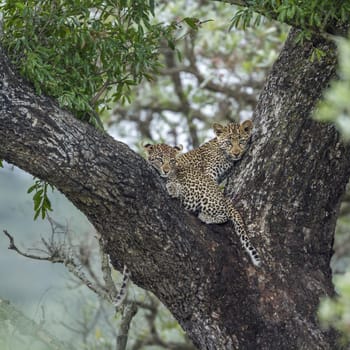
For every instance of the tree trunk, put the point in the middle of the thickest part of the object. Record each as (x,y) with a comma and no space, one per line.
(287,188)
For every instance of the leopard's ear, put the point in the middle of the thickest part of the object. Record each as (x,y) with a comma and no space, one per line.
(148,147)
(247,126)
(218,129)
(179,148)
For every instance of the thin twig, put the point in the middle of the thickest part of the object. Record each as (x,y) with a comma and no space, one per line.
(30,256)
(130,311)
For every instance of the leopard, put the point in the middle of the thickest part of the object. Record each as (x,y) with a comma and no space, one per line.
(192,181)
(217,156)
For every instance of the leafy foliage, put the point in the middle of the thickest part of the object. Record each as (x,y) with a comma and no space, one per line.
(41,201)
(309,15)
(335,107)
(84,53)
(243,18)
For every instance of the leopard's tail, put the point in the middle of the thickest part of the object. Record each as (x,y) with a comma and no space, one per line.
(119,299)
(243,237)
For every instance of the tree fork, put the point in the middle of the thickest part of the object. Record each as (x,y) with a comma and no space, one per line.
(199,271)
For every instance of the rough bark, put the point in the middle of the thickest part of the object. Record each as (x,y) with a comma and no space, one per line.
(288,189)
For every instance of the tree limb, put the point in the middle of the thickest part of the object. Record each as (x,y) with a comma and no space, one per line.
(118,191)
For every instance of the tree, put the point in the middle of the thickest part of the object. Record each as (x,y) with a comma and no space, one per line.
(288,189)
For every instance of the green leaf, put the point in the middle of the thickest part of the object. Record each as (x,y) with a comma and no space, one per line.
(41,201)
(151,7)
(179,55)
(291,11)
(43,212)
(32,188)
(171,44)
(192,22)
(47,204)
(20,5)
(317,54)
(36,214)
(38,200)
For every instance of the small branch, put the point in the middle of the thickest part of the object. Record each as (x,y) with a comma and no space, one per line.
(129,312)
(100,92)
(207,82)
(58,255)
(58,252)
(76,271)
(30,256)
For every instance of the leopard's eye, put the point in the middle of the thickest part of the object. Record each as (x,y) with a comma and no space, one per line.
(242,142)
(154,159)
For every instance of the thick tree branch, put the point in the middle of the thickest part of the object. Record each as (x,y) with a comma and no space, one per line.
(167,250)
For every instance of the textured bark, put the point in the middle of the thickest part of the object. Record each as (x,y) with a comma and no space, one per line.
(288,189)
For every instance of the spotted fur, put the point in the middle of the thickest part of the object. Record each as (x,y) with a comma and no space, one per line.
(216,157)
(191,178)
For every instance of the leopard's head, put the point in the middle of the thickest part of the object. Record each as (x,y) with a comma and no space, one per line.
(162,157)
(233,138)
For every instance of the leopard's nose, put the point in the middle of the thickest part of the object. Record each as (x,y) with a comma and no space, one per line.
(166,170)
(236,153)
